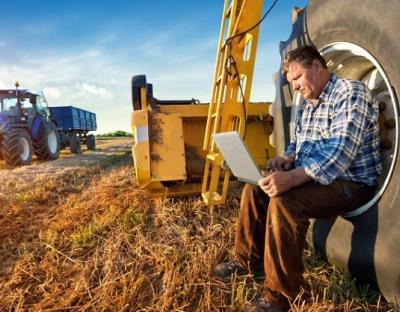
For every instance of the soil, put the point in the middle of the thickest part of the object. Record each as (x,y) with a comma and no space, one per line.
(105,147)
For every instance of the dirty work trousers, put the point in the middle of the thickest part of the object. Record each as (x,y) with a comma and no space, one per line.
(271,233)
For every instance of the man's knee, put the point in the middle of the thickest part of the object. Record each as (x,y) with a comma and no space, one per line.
(284,203)
(253,195)
(248,188)
(283,200)
(287,207)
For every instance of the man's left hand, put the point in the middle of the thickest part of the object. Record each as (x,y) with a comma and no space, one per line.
(278,182)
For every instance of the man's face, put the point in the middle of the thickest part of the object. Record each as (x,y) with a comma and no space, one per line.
(306,80)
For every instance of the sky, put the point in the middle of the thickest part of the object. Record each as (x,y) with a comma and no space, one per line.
(85,52)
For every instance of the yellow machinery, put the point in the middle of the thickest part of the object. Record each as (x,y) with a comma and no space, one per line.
(174,153)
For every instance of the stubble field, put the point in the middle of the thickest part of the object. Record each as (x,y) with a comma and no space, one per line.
(77,234)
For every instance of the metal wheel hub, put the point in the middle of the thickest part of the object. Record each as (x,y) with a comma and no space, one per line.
(24,147)
(52,142)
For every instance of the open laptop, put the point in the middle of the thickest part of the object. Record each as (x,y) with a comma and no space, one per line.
(237,156)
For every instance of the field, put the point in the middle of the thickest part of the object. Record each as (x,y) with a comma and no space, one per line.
(77,234)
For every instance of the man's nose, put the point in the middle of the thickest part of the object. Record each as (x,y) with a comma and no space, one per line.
(295,86)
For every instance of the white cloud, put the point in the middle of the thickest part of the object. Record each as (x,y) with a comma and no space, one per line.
(85,55)
(94,90)
(53,93)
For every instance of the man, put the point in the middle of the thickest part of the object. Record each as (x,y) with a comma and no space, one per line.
(330,167)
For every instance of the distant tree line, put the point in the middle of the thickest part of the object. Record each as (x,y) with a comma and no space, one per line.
(118,133)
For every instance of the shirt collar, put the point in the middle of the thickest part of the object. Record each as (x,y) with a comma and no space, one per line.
(327,90)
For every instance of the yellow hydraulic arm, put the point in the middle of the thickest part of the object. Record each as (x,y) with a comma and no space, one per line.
(229,104)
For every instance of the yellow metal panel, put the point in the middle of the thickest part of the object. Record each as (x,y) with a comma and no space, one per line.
(193,131)
(143,96)
(199,110)
(167,152)
(140,154)
(257,140)
(140,150)
(258,108)
(157,189)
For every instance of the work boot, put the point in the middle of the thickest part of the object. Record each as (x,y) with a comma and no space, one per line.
(225,270)
(261,305)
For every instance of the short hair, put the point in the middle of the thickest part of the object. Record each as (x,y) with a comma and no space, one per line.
(304,55)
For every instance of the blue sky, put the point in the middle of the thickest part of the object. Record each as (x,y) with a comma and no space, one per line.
(84,53)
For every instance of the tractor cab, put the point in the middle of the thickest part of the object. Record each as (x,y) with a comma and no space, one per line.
(13,103)
(22,106)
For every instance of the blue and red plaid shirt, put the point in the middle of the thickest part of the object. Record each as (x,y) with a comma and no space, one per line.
(339,137)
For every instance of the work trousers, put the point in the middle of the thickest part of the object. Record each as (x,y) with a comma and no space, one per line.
(271,233)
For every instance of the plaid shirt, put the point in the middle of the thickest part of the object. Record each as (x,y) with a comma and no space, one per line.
(339,137)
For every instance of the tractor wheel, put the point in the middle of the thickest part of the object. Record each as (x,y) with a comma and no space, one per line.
(17,147)
(47,145)
(91,142)
(75,144)
(359,40)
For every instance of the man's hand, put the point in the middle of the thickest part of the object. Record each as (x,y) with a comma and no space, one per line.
(279,182)
(276,183)
(280,163)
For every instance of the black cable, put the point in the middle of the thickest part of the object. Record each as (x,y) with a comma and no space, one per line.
(255,25)
(230,60)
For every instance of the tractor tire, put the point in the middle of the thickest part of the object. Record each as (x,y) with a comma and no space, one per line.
(47,145)
(359,40)
(17,147)
(75,144)
(91,142)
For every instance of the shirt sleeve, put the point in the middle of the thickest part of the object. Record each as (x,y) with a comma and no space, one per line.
(349,123)
(291,149)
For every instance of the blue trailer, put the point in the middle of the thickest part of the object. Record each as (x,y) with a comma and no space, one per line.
(73,125)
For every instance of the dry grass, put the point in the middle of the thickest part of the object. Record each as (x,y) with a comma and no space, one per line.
(89,241)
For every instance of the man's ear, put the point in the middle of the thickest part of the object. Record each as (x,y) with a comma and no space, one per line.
(317,65)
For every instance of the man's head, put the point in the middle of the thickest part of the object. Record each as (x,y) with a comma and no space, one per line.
(306,70)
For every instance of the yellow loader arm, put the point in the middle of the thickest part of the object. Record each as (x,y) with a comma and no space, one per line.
(230,106)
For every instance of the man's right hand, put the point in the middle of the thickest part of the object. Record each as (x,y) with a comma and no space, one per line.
(280,163)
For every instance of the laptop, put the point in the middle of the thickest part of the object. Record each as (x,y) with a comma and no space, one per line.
(237,156)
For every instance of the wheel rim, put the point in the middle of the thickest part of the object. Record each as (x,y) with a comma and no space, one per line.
(25,150)
(52,142)
(351,61)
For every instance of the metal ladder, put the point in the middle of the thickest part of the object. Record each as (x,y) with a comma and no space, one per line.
(230,93)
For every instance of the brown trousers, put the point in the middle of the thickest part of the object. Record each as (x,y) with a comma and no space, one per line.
(271,232)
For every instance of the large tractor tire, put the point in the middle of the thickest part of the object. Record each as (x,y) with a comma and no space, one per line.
(359,39)
(91,142)
(47,145)
(75,144)
(17,147)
